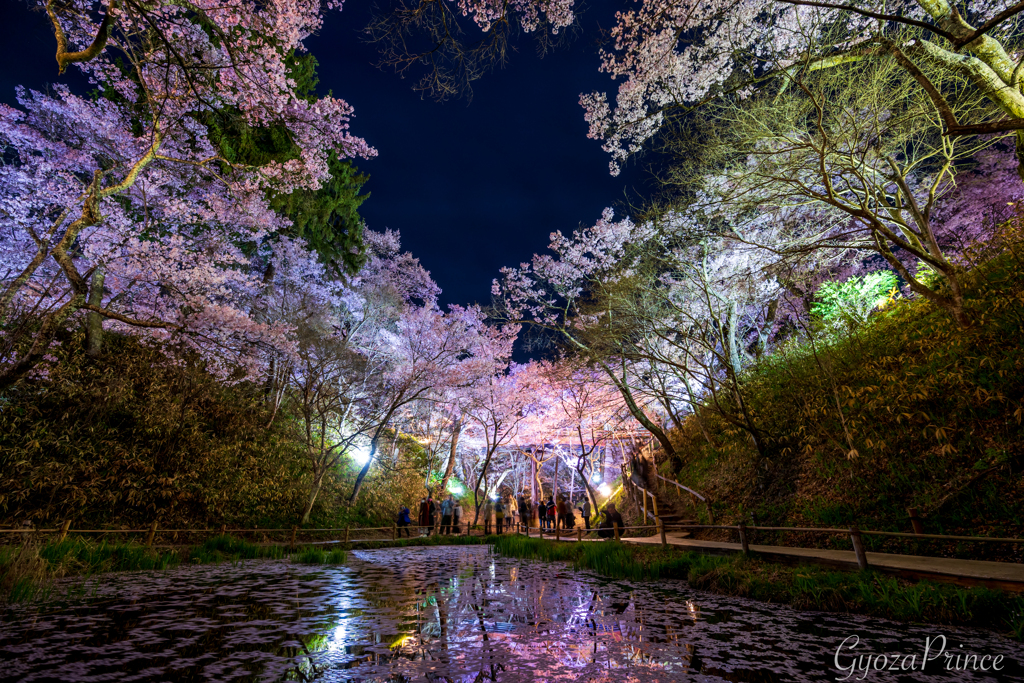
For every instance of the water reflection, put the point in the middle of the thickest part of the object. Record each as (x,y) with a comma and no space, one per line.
(439,614)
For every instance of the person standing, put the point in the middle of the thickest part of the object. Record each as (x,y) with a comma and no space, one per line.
(421,519)
(499,515)
(431,514)
(560,513)
(486,512)
(585,511)
(542,515)
(551,512)
(404,521)
(570,514)
(446,515)
(457,518)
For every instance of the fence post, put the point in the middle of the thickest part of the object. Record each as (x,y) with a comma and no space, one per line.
(346,534)
(558,531)
(616,524)
(223,529)
(661,530)
(742,527)
(64,530)
(292,544)
(915,521)
(654,502)
(152,533)
(394,531)
(858,548)
(579,534)
(645,507)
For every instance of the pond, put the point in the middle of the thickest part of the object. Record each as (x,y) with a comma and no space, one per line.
(460,614)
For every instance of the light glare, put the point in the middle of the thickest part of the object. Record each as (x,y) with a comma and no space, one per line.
(360,456)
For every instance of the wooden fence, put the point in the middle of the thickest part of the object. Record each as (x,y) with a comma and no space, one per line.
(393,532)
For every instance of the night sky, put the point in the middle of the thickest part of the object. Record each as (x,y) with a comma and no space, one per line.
(471,186)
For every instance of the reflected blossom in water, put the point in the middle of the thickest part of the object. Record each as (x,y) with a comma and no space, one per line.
(452,614)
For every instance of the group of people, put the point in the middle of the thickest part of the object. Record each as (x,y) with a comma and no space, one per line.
(506,512)
(451,516)
(561,514)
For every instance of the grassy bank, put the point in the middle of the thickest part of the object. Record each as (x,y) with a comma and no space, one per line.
(908,410)
(803,587)
(28,572)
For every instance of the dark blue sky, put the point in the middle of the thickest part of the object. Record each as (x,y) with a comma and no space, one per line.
(471,187)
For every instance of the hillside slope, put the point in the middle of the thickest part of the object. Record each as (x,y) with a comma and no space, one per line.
(133,436)
(908,411)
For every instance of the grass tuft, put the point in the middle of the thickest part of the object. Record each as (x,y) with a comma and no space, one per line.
(803,587)
(316,555)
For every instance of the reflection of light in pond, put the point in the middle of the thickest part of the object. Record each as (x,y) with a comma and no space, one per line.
(397,615)
(340,635)
(402,641)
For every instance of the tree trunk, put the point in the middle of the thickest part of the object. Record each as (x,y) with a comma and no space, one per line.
(93,320)
(314,490)
(554,490)
(696,412)
(456,430)
(533,488)
(533,479)
(589,489)
(481,478)
(656,431)
(364,471)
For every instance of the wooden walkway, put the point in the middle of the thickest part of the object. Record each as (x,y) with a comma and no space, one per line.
(1007,576)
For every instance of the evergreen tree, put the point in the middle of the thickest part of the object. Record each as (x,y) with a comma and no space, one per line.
(326,219)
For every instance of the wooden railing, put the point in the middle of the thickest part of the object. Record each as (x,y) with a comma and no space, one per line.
(659,528)
(853,532)
(693,494)
(343,534)
(580,532)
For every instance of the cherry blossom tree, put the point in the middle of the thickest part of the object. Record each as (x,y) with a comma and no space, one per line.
(553,294)
(98,221)
(335,380)
(843,169)
(108,199)
(427,350)
(586,408)
(673,56)
(496,407)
